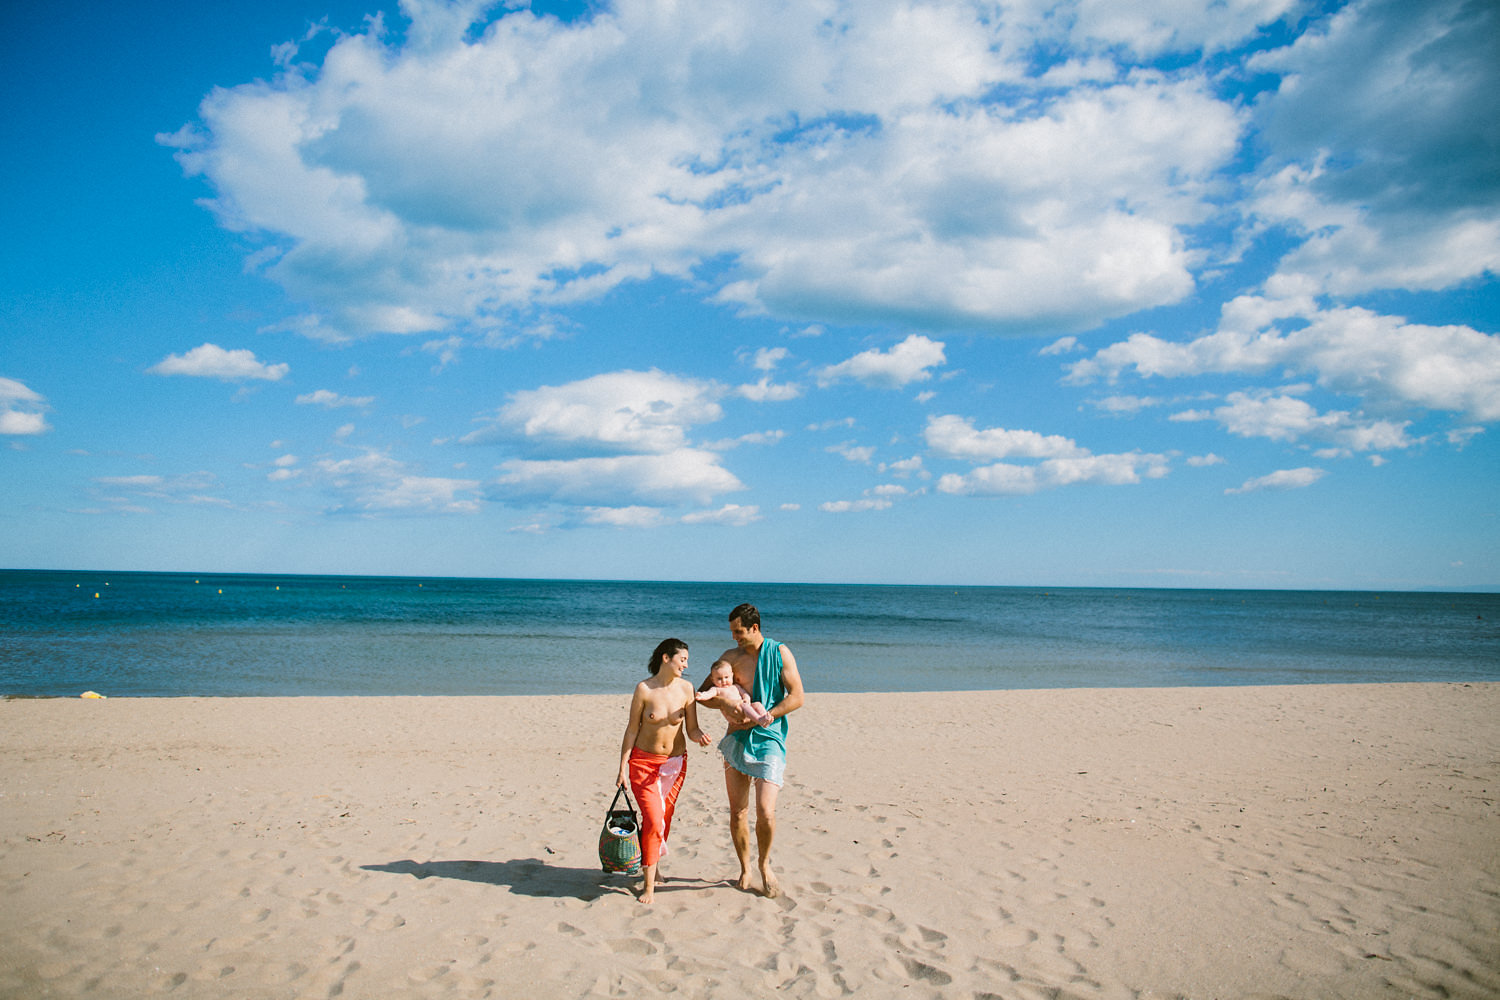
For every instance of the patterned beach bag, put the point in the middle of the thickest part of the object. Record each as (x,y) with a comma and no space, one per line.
(620,840)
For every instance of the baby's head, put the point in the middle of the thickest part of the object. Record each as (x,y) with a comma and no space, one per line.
(721,673)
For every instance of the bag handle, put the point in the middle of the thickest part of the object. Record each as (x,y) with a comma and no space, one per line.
(620,790)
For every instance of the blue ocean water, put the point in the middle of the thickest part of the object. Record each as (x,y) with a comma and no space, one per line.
(164,634)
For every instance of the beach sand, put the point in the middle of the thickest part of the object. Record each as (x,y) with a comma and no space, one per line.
(1316,842)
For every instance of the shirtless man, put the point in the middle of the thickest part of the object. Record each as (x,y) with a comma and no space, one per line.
(755,756)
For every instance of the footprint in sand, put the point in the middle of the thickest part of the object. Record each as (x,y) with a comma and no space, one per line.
(384,921)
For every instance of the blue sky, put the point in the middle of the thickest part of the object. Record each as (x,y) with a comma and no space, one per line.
(1171,294)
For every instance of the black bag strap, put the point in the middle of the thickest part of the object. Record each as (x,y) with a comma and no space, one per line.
(620,790)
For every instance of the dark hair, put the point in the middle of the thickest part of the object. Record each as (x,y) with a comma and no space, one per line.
(667,647)
(747,615)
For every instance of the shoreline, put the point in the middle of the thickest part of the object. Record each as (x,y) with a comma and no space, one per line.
(1321,840)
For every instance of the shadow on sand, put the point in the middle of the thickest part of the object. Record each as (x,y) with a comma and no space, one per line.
(532,877)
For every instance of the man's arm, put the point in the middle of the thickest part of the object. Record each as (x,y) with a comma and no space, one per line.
(792,681)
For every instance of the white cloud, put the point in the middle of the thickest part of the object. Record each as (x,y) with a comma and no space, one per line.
(13,392)
(1282,479)
(1283,417)
(766,391)
(622,517)
(904,467)
(1005,479)
(213,361)
(1377,156)
(855,164)
(1384,359)
(15,422)
(189,488)
(1126,404)
(767,358)
(374,483)
(1203,461)
(284,471)
(1063,461)
(683,476)
(754,437)
(1460,436)
(955,437)
(331,400)
(855,506)
(1153,27)
(616,411)
(904,363)
(850,452)
(731,514)
(21,409)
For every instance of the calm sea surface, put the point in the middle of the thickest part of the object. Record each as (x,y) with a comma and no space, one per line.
(161,634)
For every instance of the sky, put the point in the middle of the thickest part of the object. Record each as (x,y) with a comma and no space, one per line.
(1167,294)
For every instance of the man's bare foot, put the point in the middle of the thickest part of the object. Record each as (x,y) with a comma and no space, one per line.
(743,885)
(772,887)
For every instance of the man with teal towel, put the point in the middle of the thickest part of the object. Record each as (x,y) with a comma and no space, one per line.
(755,756)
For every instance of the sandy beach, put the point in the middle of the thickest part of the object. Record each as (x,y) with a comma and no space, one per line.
(1317,842)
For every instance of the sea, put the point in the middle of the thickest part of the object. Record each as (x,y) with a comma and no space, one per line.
(187,634)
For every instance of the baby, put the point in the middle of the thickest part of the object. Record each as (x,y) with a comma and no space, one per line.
(731,699)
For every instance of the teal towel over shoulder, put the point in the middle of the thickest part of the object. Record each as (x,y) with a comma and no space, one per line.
(768,690)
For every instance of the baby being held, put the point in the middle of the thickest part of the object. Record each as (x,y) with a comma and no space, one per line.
(731,699)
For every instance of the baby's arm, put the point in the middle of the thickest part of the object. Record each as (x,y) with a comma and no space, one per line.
(724,698)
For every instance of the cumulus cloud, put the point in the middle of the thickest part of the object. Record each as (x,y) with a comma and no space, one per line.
(373,483)
(1062,461)
(1382,148)
(617,435)
(766,391)
(850,452)
(622,517)
(1356,351)
(855,506)
(213,361)
(1282,479)
(284,469)
(955,437)
(21,410)
(617,411)
(330,400)
(125,493)
(850,164)
(1284,417)
(683,476)
(731,514)
(903,364)
(767,358)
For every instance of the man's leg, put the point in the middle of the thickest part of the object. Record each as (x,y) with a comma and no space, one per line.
(737,785)
(765,833)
